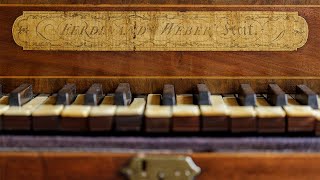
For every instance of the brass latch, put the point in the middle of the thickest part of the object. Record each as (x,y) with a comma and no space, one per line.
(162,167)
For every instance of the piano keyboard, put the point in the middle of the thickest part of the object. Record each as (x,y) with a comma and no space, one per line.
(273,112)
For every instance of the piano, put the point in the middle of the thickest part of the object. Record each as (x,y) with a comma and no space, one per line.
(159,89)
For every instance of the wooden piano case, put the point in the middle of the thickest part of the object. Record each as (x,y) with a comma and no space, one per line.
(103,157)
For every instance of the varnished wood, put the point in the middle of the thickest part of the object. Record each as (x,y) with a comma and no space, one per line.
(47,165)
(215,124)
(147,72)
(168,2)
(300,124)
(154,84)
(15,61)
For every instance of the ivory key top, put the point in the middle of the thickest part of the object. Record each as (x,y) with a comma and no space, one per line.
(271,119)
(129,118)
(19,117)
(75,116)
(47,116)
(157,116)
(242,118)
(101,117)
(300,118)
(185,115)
(215,117)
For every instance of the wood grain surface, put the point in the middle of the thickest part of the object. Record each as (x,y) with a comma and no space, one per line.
(215,2)
(154,84)
(16,62)
(147,72)
(103,165)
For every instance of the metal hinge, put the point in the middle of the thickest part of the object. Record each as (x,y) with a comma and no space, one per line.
(161,167)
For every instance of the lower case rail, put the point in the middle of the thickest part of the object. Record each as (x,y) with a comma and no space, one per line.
(102,165)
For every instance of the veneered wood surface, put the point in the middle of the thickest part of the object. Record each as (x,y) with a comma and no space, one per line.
(236,2)
(154,84)
(102,165)
(16,62)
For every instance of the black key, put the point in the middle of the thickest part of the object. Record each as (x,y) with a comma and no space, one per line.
(67,94)
(306,96)
(246,96)
(94,95)
(21,95)
(168,95)
(203,95)
(1,94)
(123,95)
(276,96)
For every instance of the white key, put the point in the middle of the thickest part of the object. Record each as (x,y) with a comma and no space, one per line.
(185,110)
(154,108)
(300,118)
(299,111)
(26,109)
(184,99)
(135,108)
(217,107)
(106,108)
(4,104)
(294,109)
(77,108)
(185,106)
(237,111)
(48,108)
(243,118)
(264,110)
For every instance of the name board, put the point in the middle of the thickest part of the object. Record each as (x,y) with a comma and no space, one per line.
(160,31)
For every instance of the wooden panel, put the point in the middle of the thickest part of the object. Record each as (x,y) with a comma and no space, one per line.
(81,165)
(154,84)
(214,2)
(15,61)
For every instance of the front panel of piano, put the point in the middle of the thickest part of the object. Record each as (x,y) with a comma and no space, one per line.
(241,141)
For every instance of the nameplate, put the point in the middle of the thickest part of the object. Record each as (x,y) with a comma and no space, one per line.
(160,31)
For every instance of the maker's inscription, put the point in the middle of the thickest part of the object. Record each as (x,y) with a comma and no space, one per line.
(160,31)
